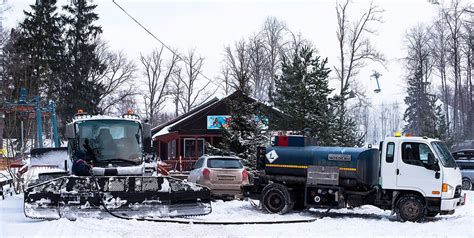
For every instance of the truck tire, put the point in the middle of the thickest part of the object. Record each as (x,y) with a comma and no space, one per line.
(411,207)
(466,184)
(431,213)
(276,199)
(297,197)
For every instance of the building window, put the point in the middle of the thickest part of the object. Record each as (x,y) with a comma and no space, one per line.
(190,147)
(172,149)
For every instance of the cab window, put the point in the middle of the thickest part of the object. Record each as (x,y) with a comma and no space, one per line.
(415,153)
(390,152)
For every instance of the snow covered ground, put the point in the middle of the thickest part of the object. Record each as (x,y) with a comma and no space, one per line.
(366,221)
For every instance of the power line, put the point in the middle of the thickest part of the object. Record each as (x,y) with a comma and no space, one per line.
(160,41)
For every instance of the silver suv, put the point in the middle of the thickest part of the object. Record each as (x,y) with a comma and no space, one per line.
(224,175)
(465,160)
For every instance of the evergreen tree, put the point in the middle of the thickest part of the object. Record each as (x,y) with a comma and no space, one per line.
(38,43)
(246,129)
(344,128)
(421,115)
(302,92)
(442,126)
(81,37)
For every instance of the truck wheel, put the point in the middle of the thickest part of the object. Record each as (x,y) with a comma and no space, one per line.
(276,199)
(410,208)
(431,214)
(466,184)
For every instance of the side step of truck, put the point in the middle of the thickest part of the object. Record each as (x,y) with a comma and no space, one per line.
(127,196)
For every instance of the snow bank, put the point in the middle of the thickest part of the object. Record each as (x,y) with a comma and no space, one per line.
(366,221)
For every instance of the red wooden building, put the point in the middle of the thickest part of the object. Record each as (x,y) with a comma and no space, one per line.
(181,141)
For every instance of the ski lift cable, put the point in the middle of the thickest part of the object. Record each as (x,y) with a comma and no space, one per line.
(158,39)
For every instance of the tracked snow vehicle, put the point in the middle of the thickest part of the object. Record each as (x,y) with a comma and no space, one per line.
(114,149)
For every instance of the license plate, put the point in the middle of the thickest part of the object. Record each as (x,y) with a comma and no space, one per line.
(226,177)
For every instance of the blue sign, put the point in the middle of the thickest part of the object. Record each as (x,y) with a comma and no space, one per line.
(218,122)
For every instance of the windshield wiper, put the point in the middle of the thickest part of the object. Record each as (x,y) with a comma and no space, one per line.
(115,160)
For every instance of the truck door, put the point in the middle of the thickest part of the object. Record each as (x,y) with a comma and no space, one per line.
(388,169)
(413,173)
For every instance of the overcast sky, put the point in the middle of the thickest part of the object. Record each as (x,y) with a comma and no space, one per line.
(208,26)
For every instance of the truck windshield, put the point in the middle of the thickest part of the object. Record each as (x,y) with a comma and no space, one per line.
(109,140)
(443,154)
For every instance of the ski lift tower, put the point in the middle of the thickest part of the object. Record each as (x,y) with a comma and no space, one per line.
(33,107)
(377,75)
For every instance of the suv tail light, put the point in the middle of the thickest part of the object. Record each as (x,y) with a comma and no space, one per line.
(245,176)
(206,173)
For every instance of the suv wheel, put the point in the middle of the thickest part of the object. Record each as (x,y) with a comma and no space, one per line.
(466,184)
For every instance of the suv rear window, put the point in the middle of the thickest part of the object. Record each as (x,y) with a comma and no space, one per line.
(224,163)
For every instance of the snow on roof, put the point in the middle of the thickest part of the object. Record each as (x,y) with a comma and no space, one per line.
(103,117)
(166,128)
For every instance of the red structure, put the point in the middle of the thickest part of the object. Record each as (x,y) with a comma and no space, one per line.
(181,141)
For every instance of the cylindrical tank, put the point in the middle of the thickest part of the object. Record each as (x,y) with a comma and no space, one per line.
(359,165)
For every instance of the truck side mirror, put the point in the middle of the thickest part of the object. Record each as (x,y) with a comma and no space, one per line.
(69,132)
(147,140)
(433,162)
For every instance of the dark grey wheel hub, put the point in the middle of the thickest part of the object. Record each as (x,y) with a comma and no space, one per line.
(466,184)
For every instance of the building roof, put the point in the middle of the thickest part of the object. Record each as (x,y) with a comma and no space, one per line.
(166,127)
(201,111)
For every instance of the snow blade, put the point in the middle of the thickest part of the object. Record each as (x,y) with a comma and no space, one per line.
(124,196)
(49,157)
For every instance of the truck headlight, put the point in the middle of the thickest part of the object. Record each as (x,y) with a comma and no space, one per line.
(448,189)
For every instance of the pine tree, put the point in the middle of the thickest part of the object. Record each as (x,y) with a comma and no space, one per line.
(246,129)
(81,38)
(441,126)
(38,42)
(421,115)
(302,92)
(344,128)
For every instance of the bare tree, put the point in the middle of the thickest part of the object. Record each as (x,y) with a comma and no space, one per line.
(295,43)
(453,17)
(260,67)
(224,80)
(238,62)
(176,91)
(355,47)
(193,88)
(439,35)
(273,33)
(468,51)
(157,76)
(117,78)
(419,59)
(3,40)
(127,103)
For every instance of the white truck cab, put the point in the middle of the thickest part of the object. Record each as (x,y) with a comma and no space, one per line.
(423,166)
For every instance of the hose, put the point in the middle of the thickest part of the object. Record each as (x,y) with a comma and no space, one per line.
(102,203)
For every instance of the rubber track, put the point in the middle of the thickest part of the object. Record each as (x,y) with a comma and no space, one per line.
(216,222)
(209,222)
(198,222)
